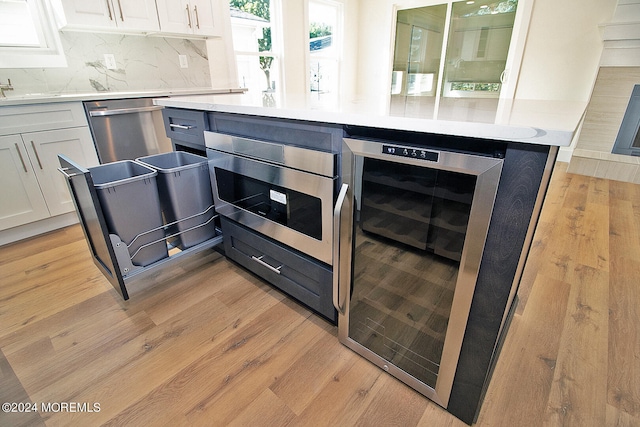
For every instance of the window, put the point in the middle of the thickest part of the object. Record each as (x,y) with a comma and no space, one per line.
(28,37)
(325,41)
(253,42)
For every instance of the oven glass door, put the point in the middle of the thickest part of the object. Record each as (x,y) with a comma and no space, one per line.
(418,233)
(298,211)
(290,206)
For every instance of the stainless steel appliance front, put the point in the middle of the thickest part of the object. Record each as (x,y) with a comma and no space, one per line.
(411,225)
(281,191)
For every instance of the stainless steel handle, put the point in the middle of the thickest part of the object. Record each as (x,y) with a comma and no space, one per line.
(189,15)
(109,9)
(195,10)
(120,8)
(37,155)
(337,213)
(63,171)
(103,113)
(261,262)
(24,166)
(177,126)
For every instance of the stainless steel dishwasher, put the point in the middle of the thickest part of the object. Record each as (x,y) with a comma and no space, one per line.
(125,129)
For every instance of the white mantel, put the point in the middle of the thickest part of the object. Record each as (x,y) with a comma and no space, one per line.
(621,36)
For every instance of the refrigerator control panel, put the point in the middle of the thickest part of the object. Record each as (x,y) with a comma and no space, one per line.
(411,152)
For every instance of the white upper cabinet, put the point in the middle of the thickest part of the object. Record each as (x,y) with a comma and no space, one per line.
(109,15)
(194,17)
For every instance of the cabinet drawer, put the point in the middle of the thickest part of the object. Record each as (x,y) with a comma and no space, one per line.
(298,276)
(38,117)
(185,125)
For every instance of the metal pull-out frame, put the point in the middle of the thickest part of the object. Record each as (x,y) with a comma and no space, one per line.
(109,253)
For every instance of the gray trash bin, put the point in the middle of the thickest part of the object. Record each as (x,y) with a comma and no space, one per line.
(185,190)
(130,203)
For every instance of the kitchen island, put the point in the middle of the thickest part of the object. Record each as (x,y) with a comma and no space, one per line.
(524,156)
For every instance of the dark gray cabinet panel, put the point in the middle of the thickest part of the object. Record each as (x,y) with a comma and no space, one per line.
(520,183)
(322,137)
(186,127)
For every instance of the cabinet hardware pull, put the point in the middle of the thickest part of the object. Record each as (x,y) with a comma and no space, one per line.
(109,9)
(118,111)
(195,10)
(177,126)
(261,262)
(189,15)
(37,155)
(120,8)
(24,166)
(64,172)
(337,256)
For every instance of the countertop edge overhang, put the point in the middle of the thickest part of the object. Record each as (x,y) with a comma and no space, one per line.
(44,98)
(510,132)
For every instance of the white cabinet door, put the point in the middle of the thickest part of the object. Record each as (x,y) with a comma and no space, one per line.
(197,17)
(206,17)
(21,199)
(174,16)
(89,13)
(136,14)
(110,15)
(44,147)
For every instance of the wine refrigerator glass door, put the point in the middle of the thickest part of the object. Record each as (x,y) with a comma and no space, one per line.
(418,224)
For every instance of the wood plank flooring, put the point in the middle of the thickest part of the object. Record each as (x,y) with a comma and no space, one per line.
(208,344)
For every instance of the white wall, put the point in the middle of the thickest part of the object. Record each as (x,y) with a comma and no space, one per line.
(563,49)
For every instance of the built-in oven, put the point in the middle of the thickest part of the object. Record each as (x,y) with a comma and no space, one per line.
(411,224)
(284,192)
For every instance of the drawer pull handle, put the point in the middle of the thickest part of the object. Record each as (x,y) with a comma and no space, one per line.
(24,166)
(189,16)
(261,262)
(109,9)
(120,7)
(37,155)
(177,126)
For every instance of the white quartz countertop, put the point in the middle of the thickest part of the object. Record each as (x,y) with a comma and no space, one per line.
(45,98)
(551,123)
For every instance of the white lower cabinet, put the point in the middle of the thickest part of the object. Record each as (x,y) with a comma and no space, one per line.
(31,187)
(22,199)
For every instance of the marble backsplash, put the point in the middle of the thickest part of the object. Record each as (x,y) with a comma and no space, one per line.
(143,63)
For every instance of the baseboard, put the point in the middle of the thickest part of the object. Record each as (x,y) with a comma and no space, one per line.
(564,154)
(21,232)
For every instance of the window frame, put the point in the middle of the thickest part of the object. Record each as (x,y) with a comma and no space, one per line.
(50,54)
(275,52)
(336,54)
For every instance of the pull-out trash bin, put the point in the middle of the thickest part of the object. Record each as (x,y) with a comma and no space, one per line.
(128,194)
(185,196)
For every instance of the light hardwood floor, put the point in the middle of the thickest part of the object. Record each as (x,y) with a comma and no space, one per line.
(208,344)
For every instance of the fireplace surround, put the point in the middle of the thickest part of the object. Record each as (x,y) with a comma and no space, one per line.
(628,139)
